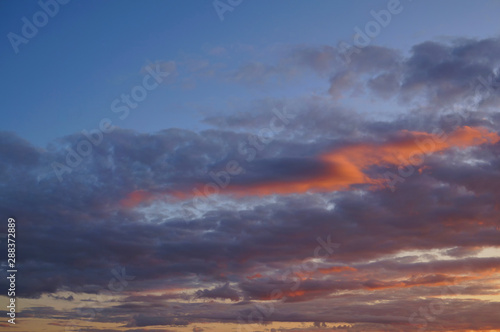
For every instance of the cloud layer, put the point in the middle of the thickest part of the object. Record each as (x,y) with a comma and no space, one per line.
(224,225)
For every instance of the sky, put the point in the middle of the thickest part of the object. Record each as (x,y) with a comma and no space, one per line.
(236,165)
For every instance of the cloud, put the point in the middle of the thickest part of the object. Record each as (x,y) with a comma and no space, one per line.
(343,167)
(321,176)
(67,298)
(221,292)
(143,320)
(442,74)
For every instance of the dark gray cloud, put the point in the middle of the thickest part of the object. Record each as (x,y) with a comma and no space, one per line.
(221,292)
(440,74)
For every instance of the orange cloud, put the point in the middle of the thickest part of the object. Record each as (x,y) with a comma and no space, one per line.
(286,294)
(346,166)
(136,197)
(429,281)
(335,269)
(255,276)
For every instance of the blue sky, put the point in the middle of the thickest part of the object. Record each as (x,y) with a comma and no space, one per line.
(64,79)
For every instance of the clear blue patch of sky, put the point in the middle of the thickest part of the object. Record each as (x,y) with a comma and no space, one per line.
(65,78)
